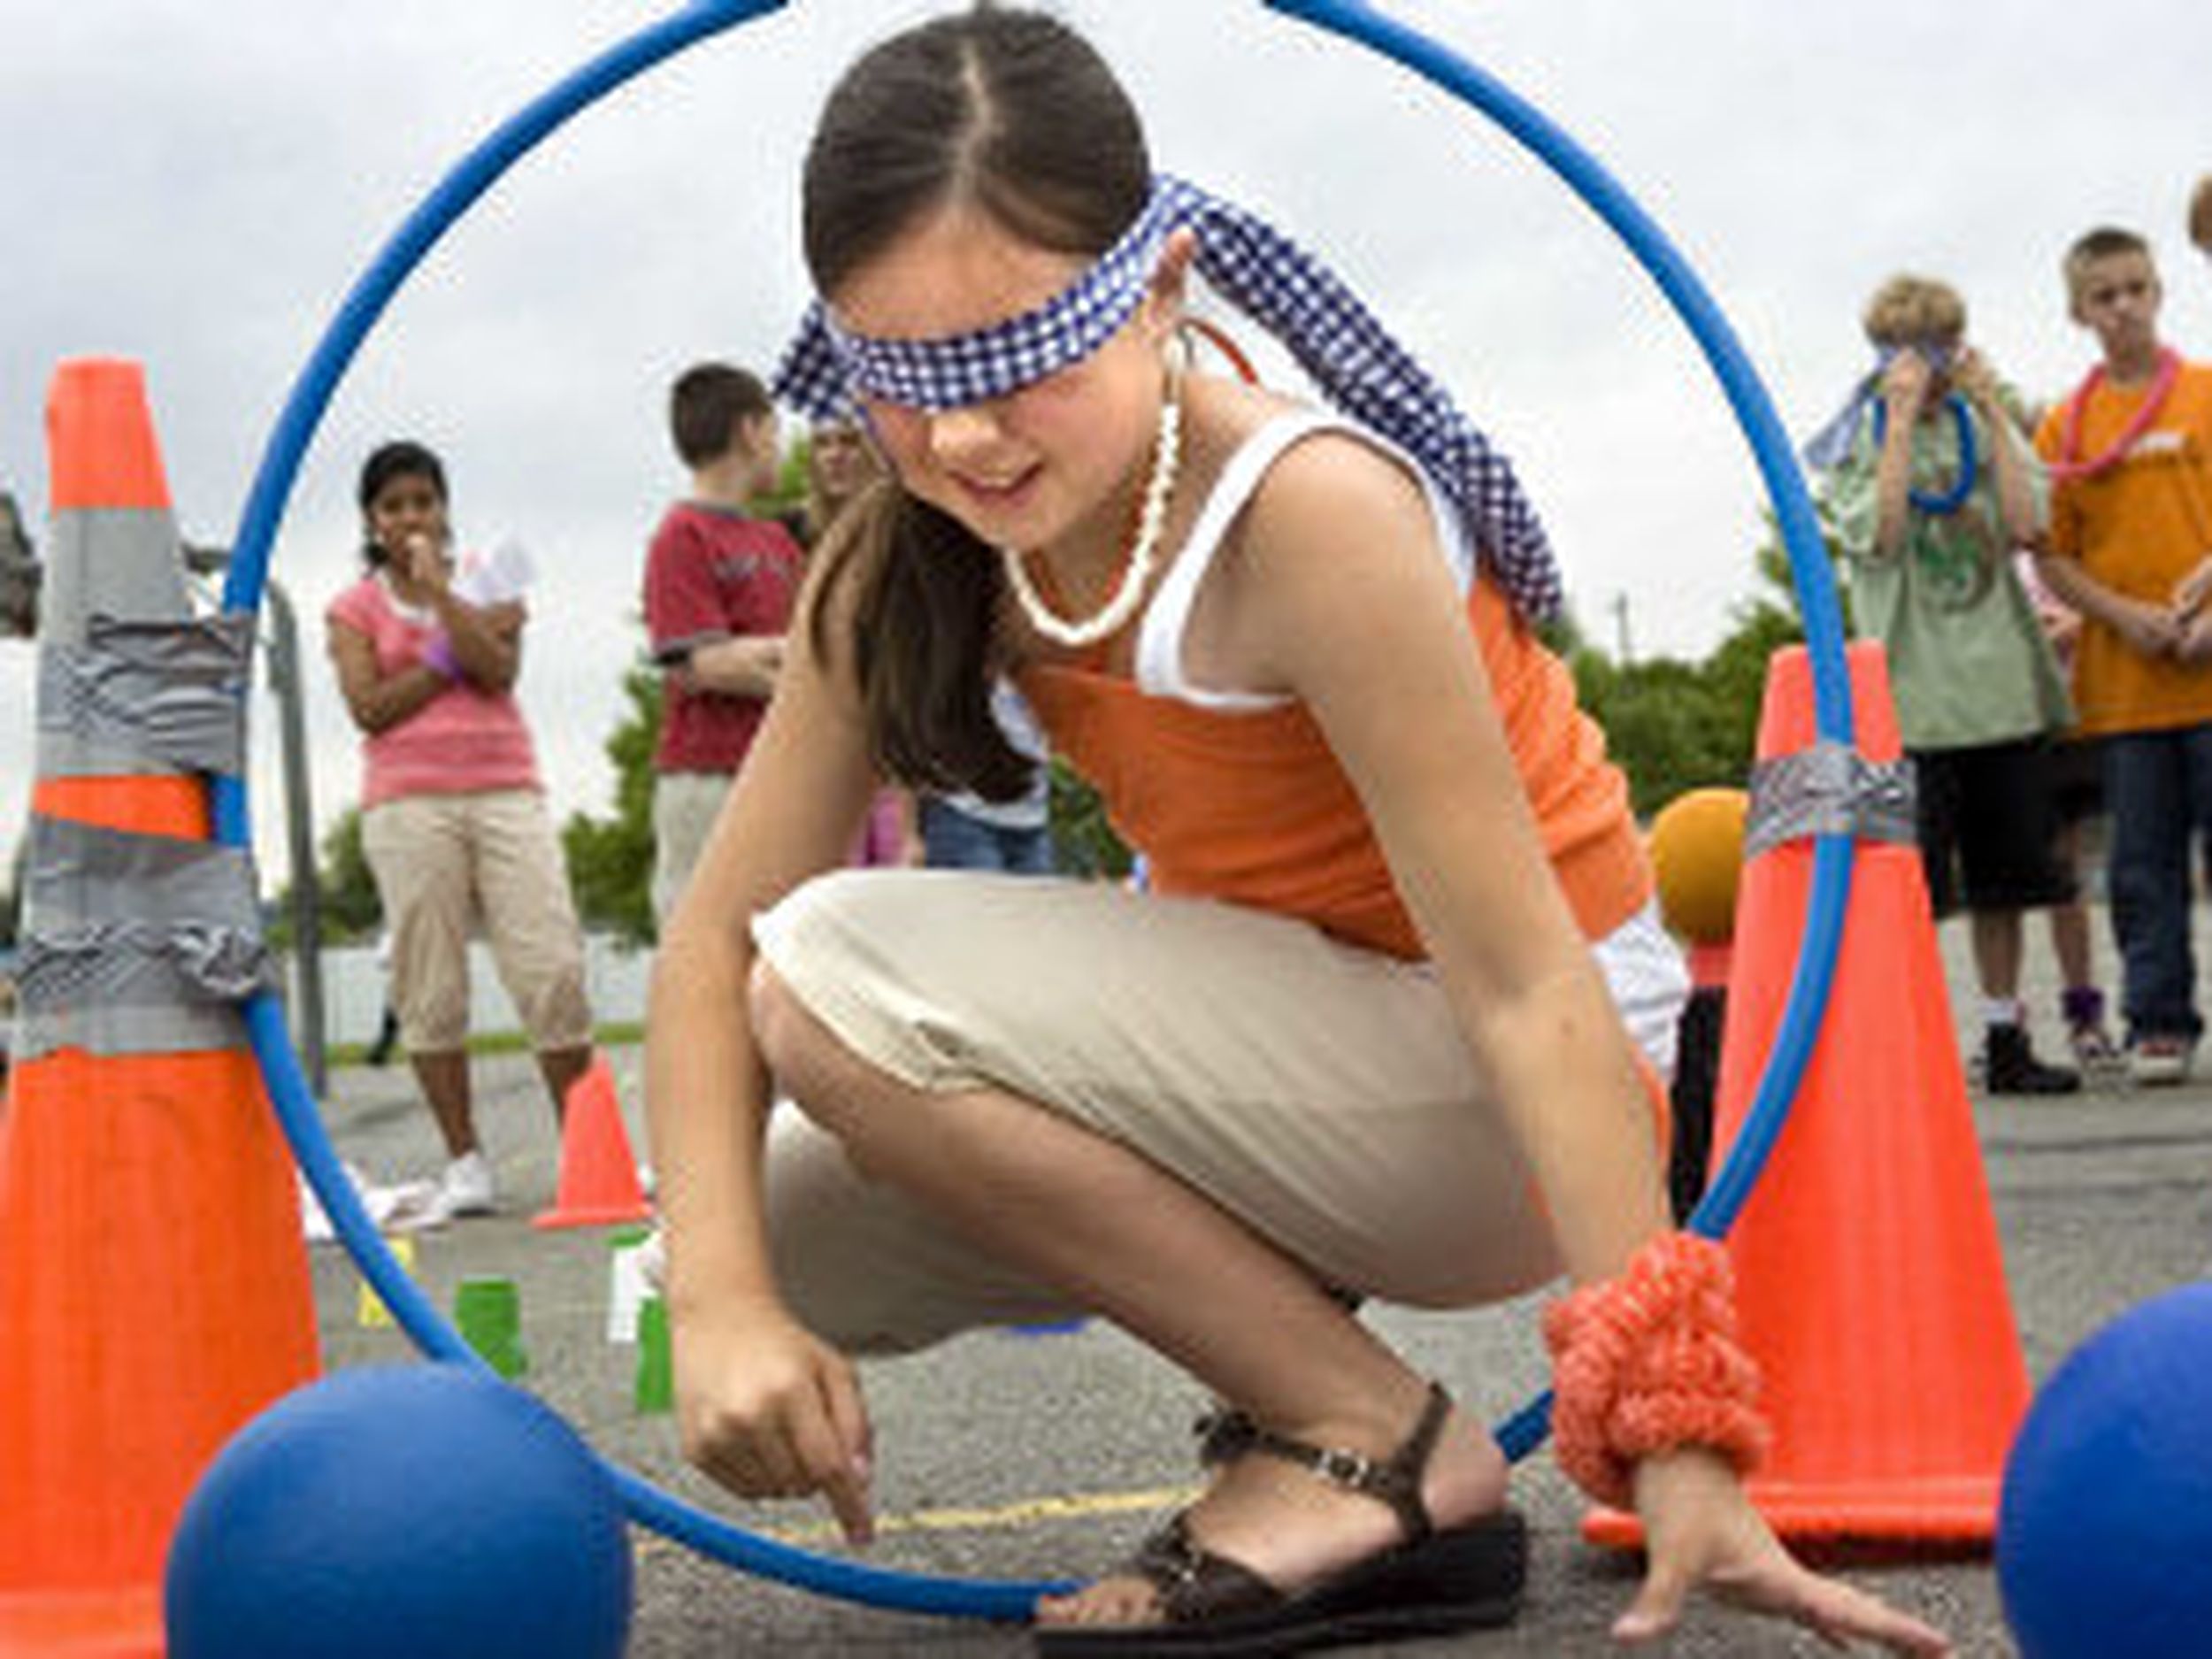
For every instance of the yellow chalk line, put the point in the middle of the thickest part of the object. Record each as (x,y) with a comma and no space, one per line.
(1026,1511)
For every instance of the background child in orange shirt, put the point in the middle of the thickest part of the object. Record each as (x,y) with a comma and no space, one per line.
(2130,460)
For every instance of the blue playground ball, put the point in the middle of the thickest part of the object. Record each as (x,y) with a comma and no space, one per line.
(428,1510)
(2105,1525)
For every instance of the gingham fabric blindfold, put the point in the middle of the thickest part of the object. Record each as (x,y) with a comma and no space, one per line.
(1831,446)
(1336,340)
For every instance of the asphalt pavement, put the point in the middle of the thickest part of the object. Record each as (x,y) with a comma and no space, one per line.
(1045,1455)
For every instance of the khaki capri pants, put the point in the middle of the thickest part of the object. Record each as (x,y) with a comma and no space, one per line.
(685,806)
(1321,1092)
(443,863)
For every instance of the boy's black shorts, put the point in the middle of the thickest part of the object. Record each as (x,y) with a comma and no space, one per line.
(2078,778)
(1988,819)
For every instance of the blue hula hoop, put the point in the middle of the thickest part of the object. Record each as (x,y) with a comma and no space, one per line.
(1943,503)
(481,168)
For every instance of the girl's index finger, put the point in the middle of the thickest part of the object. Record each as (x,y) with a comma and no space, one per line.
(848,1413)
(836,1448)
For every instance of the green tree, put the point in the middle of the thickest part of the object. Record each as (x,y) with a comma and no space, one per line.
(789,496)
(349,906)
(352,908)
(1672,725)
(1083,843)
(610,859)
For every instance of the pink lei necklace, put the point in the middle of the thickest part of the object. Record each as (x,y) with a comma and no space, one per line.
(2069,466)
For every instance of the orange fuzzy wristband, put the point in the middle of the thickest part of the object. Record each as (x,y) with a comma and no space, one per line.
(1649,1362)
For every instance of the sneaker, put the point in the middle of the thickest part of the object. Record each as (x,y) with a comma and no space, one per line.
(2094,1051)
(2009,1066)
(2160,1059)
(465,1188)
(403,1208)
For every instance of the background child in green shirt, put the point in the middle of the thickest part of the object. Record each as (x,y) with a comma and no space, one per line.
(1934,492)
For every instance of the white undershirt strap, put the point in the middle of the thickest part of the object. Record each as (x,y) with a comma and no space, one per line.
(1159,658)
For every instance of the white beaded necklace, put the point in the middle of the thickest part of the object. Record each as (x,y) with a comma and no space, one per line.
(1136,572)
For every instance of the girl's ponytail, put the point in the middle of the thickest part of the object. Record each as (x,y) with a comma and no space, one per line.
(923,608)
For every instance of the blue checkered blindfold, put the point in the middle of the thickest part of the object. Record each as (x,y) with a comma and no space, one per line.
(1357,365)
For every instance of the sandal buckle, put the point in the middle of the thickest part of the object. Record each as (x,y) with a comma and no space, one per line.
(1225,1434)
(1352,1470)
(1170,1559)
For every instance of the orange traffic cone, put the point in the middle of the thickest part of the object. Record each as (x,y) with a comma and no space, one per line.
(1871,1287)
(598,1182)
(154,1291)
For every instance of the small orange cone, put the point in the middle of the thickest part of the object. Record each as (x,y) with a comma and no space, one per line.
(1871,1287)
(598,1184)
(154,1291)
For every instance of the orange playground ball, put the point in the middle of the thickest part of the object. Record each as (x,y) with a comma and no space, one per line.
(1697,851)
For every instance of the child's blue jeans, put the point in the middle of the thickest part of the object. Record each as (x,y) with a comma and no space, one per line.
(2158,789)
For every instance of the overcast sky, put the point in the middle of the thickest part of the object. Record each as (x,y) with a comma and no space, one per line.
(195,186)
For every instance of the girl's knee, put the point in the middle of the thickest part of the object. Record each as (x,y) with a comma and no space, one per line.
(811,1068)
(779,1020)
(831,930)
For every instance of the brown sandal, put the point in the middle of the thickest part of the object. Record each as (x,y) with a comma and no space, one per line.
(1432,1581)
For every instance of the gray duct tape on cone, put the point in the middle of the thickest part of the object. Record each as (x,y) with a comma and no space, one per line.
(146,696)
(134,944)
(111,562)
(1829,790)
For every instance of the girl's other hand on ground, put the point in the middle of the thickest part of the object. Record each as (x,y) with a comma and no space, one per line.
(1700,1529)
(770,1411)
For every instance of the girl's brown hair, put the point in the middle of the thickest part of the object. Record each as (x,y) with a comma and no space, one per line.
(1013,115)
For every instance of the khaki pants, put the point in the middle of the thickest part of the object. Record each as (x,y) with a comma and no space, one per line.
(1320,1093)
(685,805)
(445,862)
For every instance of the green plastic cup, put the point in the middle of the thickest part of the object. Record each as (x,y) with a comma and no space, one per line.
(655,1389)
(488,1312)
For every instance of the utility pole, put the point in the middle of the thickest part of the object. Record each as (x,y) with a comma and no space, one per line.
(1623,647)
(299,821)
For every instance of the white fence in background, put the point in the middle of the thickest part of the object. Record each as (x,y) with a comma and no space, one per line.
(615,975)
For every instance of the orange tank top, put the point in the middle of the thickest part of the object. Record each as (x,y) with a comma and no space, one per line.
(1241,798)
